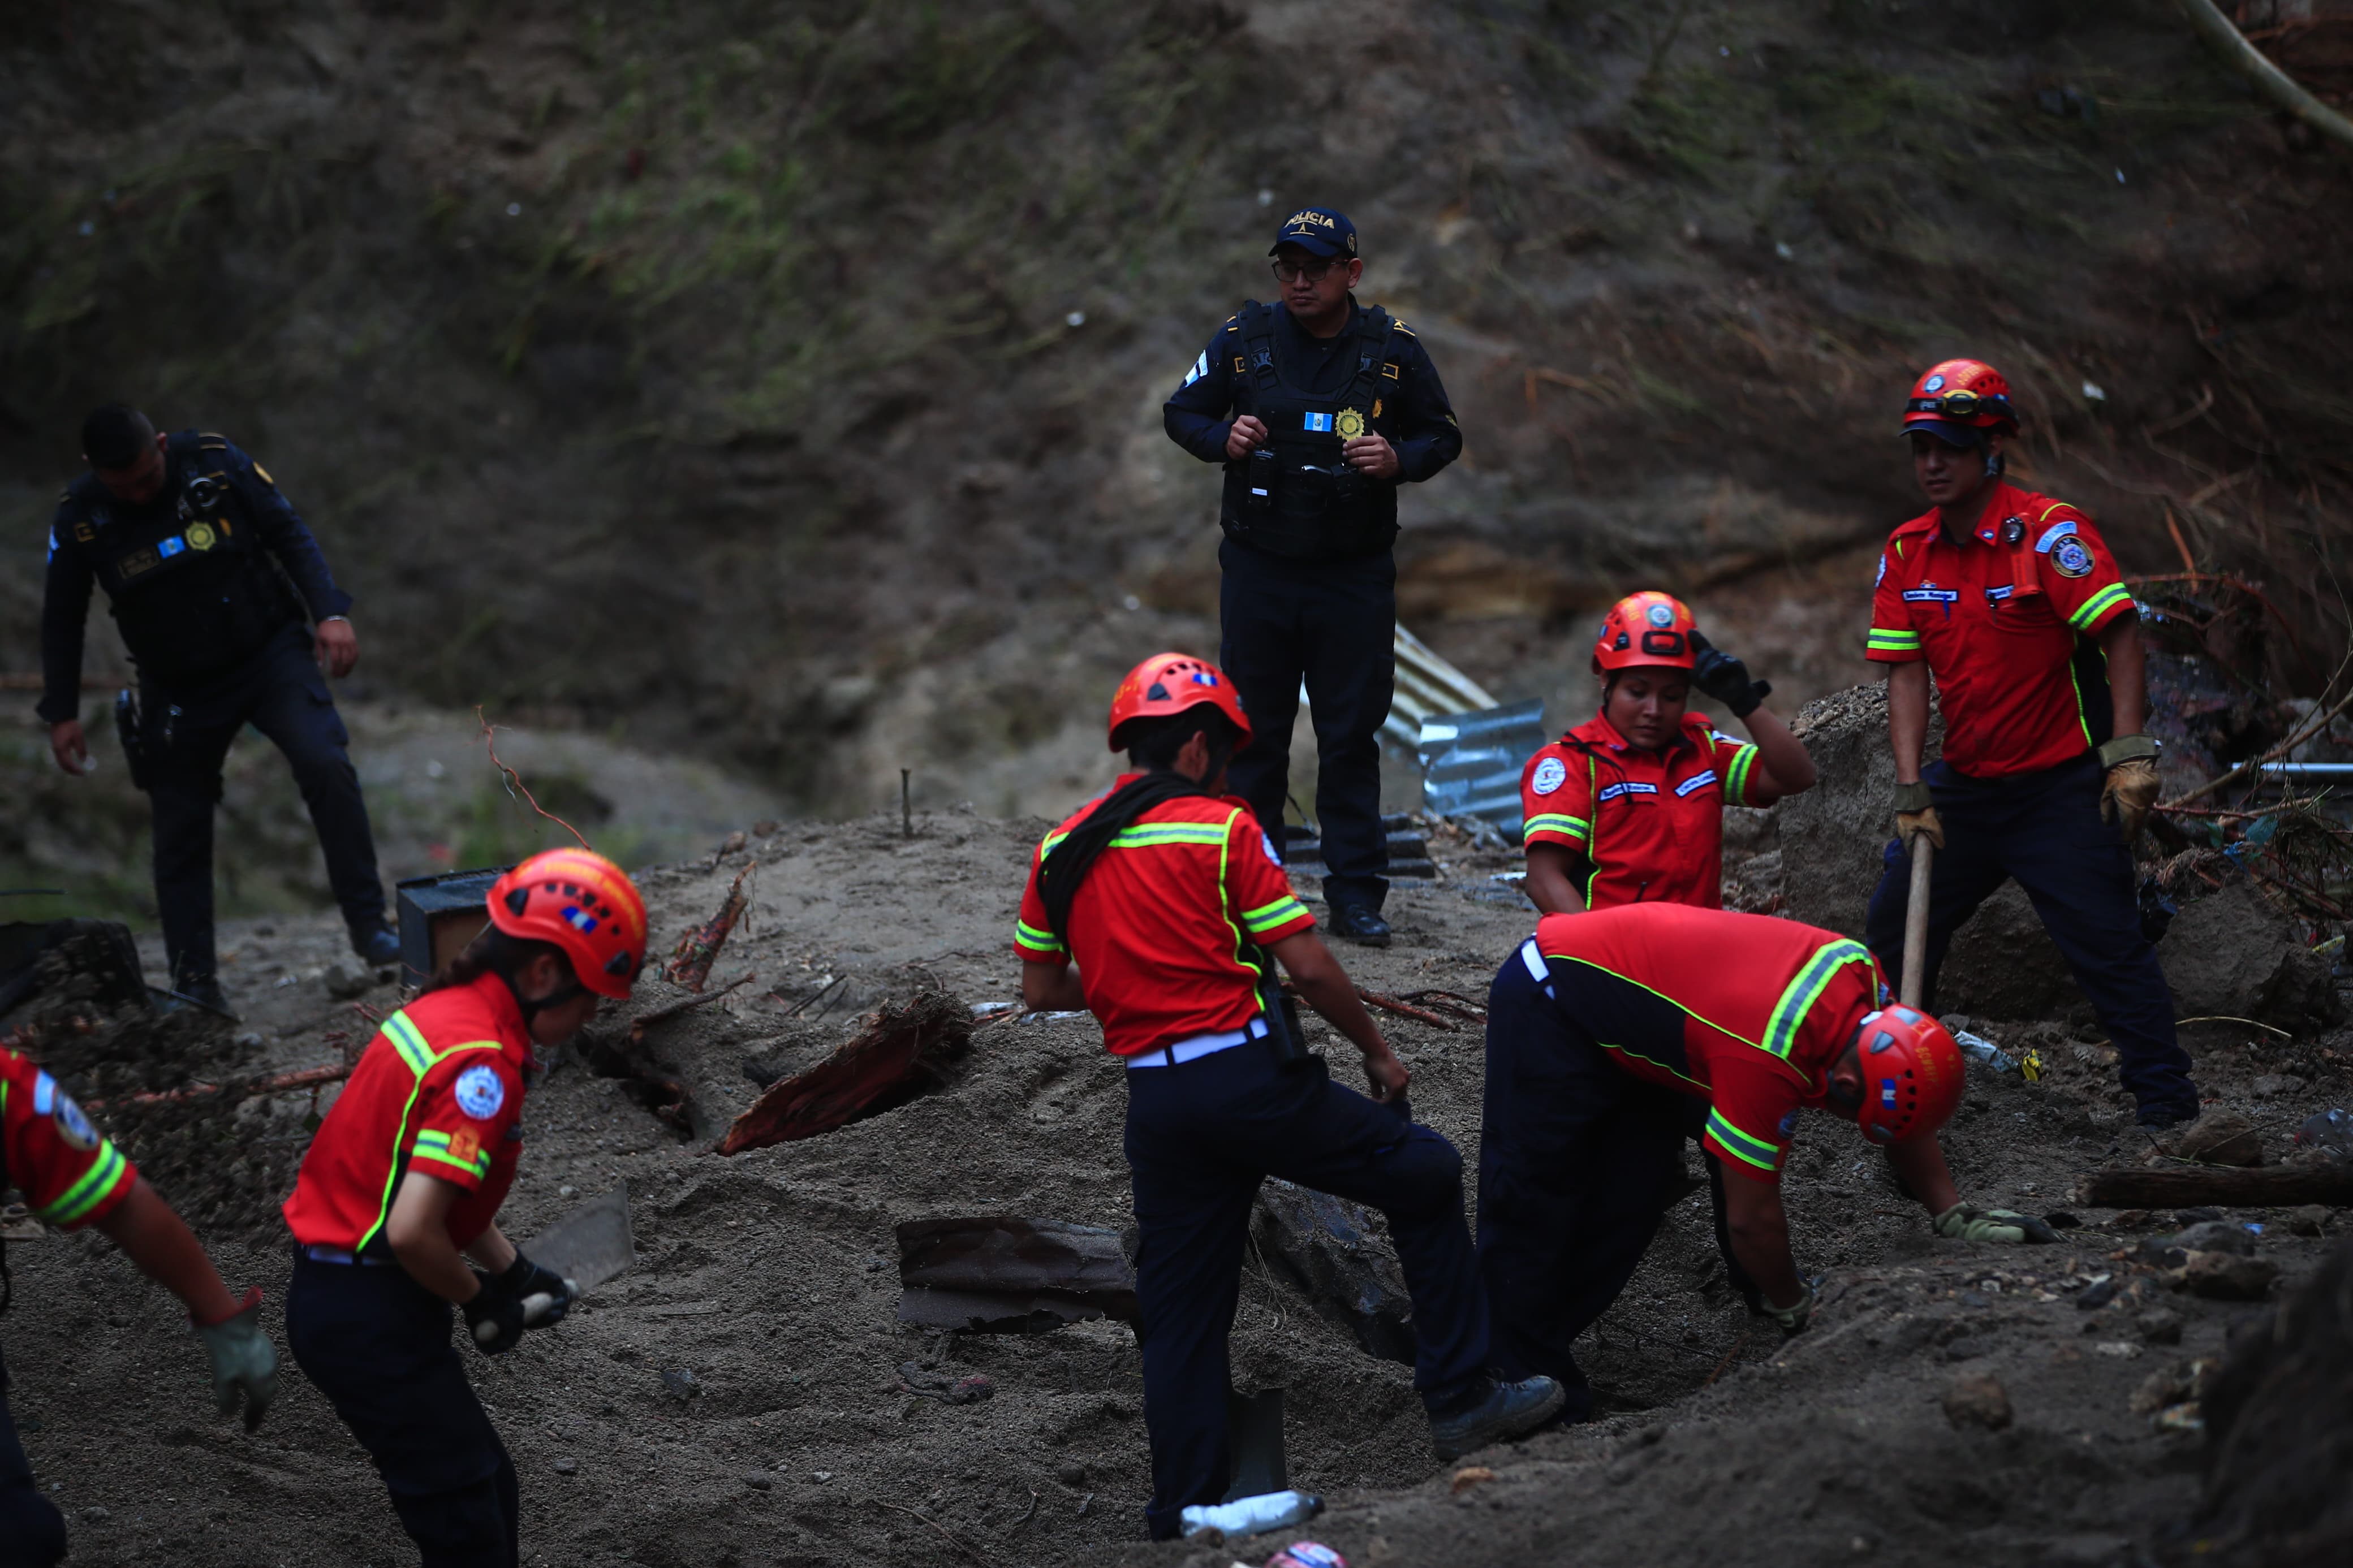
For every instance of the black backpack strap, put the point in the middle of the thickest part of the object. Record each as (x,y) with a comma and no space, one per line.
(1379,330)
(1258,347)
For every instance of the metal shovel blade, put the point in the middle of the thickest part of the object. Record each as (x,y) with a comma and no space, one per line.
(587,1247)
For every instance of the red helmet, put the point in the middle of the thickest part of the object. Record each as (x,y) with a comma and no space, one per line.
(584,904)
(1169,683)
(1959,401)
(1648,628)
(1911,1075)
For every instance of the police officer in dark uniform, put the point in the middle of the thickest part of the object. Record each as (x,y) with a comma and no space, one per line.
(228,608)
(1319,408)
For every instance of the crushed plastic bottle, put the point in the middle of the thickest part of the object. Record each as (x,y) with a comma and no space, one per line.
(2331,1132)
(1251,1515)
(1984,1052)
(1307,1554)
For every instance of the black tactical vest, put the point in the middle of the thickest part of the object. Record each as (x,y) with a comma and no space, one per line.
(187,577)
(1296,495)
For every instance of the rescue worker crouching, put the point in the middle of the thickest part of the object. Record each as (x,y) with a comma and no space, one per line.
(403,1182)
(210,576)
(1628,807)
(1613,1036)
(1170,897)
(2013,603)
(72,1176)
(1319,408)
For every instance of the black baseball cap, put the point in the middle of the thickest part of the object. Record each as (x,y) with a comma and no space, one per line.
(1318,230)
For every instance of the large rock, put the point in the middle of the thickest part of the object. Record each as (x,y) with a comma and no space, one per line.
(2230,953)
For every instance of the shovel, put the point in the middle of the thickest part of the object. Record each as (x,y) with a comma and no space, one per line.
(1915,923)
(587,1247)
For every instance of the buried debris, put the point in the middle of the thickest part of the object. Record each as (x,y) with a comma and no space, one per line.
(1003,1274)
(698,950)
(901,1052)
(2271,1186)
(2225,1138)
(1324,1247)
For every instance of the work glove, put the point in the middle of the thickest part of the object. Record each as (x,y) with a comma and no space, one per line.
(2132,784)
(244,1363)
(524,1280)
(493,1318)
(1966,1222)
(1726,678)
(1793,1317)
(1915,816)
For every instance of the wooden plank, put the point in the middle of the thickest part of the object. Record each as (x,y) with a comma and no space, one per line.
(2189,1186)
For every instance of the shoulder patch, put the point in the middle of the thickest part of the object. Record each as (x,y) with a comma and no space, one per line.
(1401,327)
(2064,528)
(481,1091)
(1550,775)
(2071,558)
(263,475)
(72,1125)
(211,440)
(1881,574)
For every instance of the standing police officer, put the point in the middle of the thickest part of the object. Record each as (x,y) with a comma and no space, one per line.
(2012,601)
(1332,405)
(211,576)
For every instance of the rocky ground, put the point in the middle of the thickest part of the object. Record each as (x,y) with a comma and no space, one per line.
(743,1396)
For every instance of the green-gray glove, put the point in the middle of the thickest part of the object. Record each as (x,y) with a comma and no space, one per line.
(1793,1317)
(244,1363)
(1966,1222)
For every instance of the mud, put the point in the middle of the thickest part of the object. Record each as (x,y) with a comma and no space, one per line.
(801,1439)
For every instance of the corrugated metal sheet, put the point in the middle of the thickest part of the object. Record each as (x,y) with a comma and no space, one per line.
(1470,761)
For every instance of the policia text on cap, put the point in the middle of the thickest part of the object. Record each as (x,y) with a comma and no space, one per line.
(211,576)
(1319,408)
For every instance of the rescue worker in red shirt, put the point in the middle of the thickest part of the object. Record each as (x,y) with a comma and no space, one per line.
(1613,1036)
(1169,895)
(73,1177)
(1628,807)
(2012,601)
(403,1182)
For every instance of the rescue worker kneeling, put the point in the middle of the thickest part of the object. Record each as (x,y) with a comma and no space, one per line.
(1613,1036)
(403,1184)
(1170,897)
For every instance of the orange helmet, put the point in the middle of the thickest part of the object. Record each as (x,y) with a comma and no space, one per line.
(1911,1075)
(1169,683)
(1959,401)
(1648,628)
(582,903)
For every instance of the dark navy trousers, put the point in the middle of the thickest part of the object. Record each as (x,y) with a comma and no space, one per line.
(1332,624)
(281,693)
(32,1532)
(376,1343)
(1200,1137)
(1578,1161)
(2044,829)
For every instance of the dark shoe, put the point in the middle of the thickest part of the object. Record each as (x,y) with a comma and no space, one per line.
(1360,923)
(2166,1118)
(380,948)
(204,993)
(1509,1410)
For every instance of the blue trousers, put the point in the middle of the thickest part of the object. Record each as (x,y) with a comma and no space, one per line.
(280,693)
(1332,624)
(2044,829)
(1578,1160)
(1200,1137)
(32,1532)
(376,1343)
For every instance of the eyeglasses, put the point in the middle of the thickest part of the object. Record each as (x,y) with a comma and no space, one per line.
(1292,271)
(1958,404)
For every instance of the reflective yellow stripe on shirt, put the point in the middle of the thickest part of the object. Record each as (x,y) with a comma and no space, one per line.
(1740,1145)
(1555,822)
(1735,777)
(1789,1014)
(1030,938)
(1154,835)
(1891,639)
(434,1144)
(2098,605)
(91,1190)
(1266,917)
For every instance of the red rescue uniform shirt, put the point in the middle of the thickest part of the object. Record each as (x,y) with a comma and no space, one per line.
(1161,927)
(68,1174)
(439,1089)
(1648,825)
(2004,619)
(1768,1005)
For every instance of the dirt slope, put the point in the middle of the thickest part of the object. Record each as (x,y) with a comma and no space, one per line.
(770,1276)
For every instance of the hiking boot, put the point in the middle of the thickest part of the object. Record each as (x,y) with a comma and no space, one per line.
(2166,1118)
(1360,923)
(1507,1410)
(201,990)
(379,949)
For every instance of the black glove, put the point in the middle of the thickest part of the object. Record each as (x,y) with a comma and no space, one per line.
(1726,678)
(495,1316)
(522,1279)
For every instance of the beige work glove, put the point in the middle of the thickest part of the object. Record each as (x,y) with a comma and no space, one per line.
(1966,1222)
(2131,786)
(1915,816)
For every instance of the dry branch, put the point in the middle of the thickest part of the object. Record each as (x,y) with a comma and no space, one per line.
(2224,36)
(278,1083)
(698,950)
(884,1065)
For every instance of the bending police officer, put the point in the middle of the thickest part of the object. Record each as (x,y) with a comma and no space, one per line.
(210,574)
(2012,601)
(1166,893)
(1319,408)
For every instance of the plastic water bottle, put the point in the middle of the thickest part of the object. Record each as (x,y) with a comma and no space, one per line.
(1251,1515)
(1983,1052)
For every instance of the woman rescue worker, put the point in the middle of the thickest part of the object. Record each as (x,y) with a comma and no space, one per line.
(1628,807)
(403,1182)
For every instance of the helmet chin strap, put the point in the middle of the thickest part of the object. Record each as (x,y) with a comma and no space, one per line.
(556,998)
(1845,1103)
